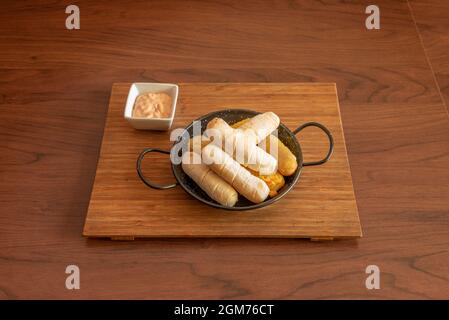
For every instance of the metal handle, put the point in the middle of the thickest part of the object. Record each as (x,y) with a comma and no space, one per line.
(329,136)
(142,177)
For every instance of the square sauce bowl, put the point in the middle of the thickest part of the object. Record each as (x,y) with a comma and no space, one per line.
(150,123)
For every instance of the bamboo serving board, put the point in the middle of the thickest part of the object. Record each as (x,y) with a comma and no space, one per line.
(321,206)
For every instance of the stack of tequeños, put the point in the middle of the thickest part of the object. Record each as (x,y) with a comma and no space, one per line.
(240,159)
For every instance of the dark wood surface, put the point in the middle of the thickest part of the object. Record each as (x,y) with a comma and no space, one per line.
(54,90)
(432,23)
(321,206)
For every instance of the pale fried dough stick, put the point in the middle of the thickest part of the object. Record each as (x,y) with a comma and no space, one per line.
(209,181)
(242,147)
(248,185)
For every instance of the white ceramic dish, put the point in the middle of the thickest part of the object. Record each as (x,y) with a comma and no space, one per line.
(150,123)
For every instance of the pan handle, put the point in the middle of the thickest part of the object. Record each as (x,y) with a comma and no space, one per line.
(142,177)
(329,136)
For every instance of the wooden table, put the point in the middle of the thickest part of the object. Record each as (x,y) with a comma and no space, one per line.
(392,83)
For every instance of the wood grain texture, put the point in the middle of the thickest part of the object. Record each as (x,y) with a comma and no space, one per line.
(54,91)
(322,204)
(433,25)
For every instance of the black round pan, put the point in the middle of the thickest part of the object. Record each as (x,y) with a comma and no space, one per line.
(232,116)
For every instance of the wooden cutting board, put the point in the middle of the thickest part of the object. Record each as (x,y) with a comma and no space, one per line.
(321,206)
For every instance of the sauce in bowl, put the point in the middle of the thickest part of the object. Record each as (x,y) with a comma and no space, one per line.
(152,105)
